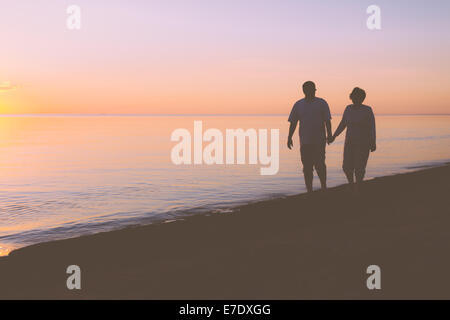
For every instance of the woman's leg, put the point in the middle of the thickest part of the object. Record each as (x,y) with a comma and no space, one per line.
(350,176)
(348,163)
(361,157)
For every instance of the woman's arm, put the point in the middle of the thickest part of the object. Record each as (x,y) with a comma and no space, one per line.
(372,132)
(342,125)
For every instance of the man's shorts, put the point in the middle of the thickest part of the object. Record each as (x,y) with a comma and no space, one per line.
(312,155)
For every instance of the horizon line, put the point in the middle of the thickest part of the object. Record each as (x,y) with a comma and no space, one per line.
(190,114)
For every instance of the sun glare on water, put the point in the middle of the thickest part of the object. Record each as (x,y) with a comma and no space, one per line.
(4,251)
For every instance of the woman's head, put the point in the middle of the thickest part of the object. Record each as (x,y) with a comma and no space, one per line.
(358,95)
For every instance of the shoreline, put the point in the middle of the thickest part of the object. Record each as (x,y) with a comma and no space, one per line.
(169,217)
(295,247)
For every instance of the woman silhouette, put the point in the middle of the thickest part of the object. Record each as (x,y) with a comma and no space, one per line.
(360,138)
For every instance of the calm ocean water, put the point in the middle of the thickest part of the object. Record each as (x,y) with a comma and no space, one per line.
(64,176)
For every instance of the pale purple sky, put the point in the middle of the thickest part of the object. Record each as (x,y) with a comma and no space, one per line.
(221,56)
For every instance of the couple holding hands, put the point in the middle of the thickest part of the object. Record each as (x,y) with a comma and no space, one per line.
(313,114)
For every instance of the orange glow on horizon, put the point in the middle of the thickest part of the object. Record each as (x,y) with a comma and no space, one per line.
(190,62)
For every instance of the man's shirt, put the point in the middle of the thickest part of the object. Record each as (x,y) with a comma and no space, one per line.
(312,116)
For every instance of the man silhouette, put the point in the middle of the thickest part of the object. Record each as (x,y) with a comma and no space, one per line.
(314,116)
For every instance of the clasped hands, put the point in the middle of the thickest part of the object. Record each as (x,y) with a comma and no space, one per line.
(330,140)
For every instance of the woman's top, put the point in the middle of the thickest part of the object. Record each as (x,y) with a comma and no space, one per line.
(360,123)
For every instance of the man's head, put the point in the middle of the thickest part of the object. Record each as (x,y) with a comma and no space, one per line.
(358,95)
(309,89)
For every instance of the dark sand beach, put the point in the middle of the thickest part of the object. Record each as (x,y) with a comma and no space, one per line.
(301,247)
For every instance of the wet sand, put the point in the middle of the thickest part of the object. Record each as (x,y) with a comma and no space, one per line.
(301,247)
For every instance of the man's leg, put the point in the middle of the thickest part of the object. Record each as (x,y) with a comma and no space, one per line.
(320,165)
(307,161)
(322,173)
(308,174)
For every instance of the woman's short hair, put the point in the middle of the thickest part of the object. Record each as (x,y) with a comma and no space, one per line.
(358,95)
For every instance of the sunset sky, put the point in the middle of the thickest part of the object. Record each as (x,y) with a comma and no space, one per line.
(140,56)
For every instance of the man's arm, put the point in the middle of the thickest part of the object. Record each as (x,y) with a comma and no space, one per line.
(327,120)
(292,127)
